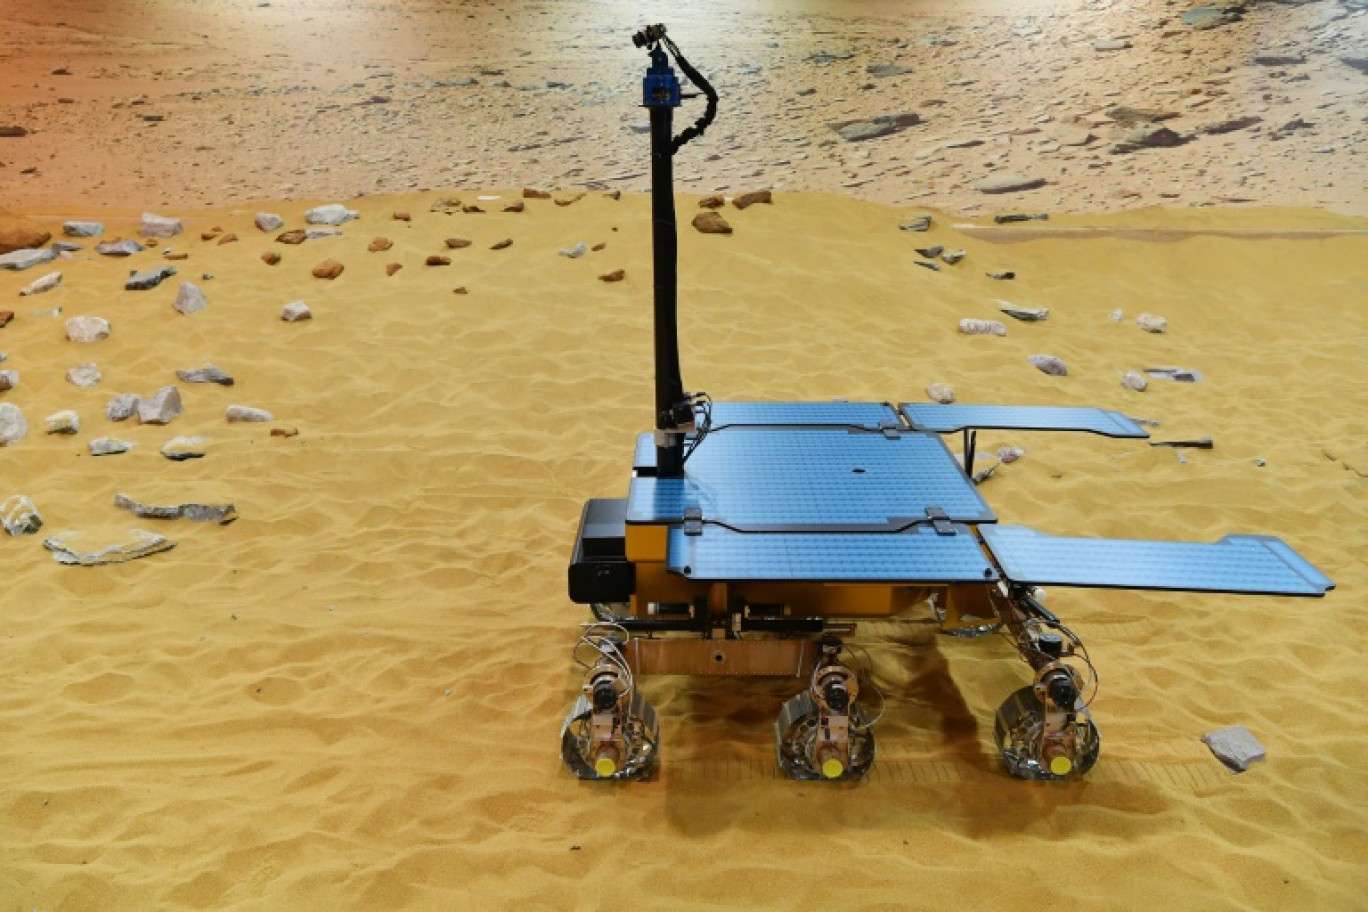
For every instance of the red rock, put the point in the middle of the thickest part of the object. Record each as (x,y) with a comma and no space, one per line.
(208,235)
(392,268)
(516,207)
(270,258)
(457,243)
(401,216)
(177,256)
(617,275)
(506,242)
(284,432)
(614,194)
(597,247)
(711,223)
(461,290)
(750,199)
(438,261)
(472,209)
(19,233)
(529,193)
(569,200)
(379,244)
(228,238)
(5,317)
(296,236)
(328,269)
(712,202)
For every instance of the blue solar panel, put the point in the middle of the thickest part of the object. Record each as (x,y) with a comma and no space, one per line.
(781,480)
(1253,564)
(918,555)
(870,415)
(943,419)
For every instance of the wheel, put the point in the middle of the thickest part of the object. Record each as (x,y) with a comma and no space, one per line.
(1018,730)
(636,753)
(795,736)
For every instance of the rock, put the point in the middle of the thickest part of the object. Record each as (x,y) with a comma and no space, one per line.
(1357,63)
(87,329)
(460,289)
(284,432)
(119,247)
(82,229)
(401,217)
(435,260)
(1235,747)
(19,516)
(940,392)
(1009,217)
(1180,374)
(19,260)
(1229,126)
(149,279)
(925,265)
(972,327)
(63,422)
(1008,183)
(597,247)
(295,236)
(379,244)
(84,375)
(122,406)
(189,299)
(179,449)
(228,238)
(247,413)
(1152,324)
(1208,17)
(161,407)
(314,234)
(331,214)
(1278,59)
(13,132)
(1135,380)
(1149,135)
(159,226)
(447,206)
(107,446)
(69,548)
(1025,314)
(19,233)
(529,193)
(13,427)
(930,252)
(916,223)
(392,268)
(270,258)
(46,283)
(295,311)
(861,131)
(575,252)
(711,222)
(1049,364)
(207,374)
(269,221)
(328,269)
(1009,454)
(617,275)
(883,70)
(750,199)
(8,380)
(6,317)
(217,513)
(457,243)
(716,201)
(569,199)
(472,209)
(1117,316)
(1001,276)
(502,245)
(1131,116)
(1113,44)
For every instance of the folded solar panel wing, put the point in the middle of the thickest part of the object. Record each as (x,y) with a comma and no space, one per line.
(943,419)
(1241,564)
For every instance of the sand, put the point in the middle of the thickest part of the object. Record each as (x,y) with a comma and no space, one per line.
(350,697)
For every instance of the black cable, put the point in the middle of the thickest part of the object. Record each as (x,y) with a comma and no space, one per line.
(697,79)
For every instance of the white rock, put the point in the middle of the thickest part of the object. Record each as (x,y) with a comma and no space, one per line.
(295,311)
(1235,747)
(941,392)
(124,405)
(182,448)
(84,375)
(46,283)
(63,422)
(19,516)
(87,329)
(575,252)
(1152,324)
(1136,381)
(1049,364)
(332,214)
(13,427)
(268,221)
(69,548)
(1117,316)
(1009,454)
(107,446)
(190,299)
(8,380)
(972,327)
(161,407)
(247,413)
(159,226)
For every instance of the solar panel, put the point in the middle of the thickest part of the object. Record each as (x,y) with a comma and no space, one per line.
(868,415)
(781,480)
(1252,564)
(942,419)
(918,555)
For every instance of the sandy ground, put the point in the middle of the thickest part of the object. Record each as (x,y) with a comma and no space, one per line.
(350,697)
(220,101)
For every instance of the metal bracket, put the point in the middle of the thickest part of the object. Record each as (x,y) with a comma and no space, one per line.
(940,521)
(693,521)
